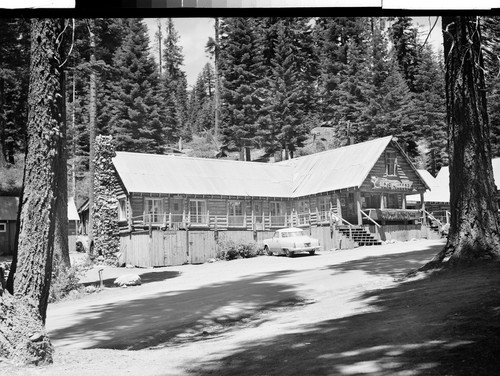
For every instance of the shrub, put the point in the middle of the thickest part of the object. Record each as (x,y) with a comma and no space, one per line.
(230,250)
(66,282)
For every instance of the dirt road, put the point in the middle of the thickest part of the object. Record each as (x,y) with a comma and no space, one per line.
(337,313)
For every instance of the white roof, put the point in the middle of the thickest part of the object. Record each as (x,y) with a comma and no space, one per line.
(185,175)
(336,169)
(331,170)
(440,186)
(9,206)
(72,212)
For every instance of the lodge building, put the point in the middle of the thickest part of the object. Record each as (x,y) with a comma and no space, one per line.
(360,186)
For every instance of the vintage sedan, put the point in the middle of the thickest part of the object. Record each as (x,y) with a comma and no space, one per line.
(289,241)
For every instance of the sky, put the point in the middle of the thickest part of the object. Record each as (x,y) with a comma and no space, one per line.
(193,36)
(194,32)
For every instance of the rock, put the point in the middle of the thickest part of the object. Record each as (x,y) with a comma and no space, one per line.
(212,260)
(128,280)
(130,266)
(37,337)
(90,289)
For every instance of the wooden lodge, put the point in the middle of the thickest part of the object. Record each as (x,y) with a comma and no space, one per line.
(357,190)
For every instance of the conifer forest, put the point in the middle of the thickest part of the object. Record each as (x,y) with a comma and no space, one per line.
(269,82)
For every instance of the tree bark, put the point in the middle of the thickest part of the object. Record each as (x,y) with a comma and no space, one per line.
(474,230)
(22,316)
(92,128)
(61,246)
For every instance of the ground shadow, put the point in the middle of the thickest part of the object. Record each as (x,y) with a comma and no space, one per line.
(199,314)
(145,278)
(395,264)
(446,324)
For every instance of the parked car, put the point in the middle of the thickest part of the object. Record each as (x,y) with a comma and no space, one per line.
(289,241)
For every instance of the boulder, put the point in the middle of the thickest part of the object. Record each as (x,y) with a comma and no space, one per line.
(128,280)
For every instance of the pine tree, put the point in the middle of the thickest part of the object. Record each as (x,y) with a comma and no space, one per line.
(14,66)
(134,108)
(429,108)
(339,44)
(289,90)
(243,73)
(404,37)
(174,86)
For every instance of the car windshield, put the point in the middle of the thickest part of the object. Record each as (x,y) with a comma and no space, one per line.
(290,234)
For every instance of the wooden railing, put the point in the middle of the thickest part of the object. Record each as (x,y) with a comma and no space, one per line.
(248,221)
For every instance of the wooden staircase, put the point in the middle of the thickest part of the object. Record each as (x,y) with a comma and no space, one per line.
(359,235)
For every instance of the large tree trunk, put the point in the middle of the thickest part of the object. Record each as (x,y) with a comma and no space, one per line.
(474,230)
(92,129)
(61,246)
(22,316)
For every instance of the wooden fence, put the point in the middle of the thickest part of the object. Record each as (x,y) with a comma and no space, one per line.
(177,247)
(169,248)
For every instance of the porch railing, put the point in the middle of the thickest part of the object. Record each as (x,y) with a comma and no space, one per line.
(248,221)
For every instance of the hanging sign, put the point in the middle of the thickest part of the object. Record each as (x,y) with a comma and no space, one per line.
(396,185)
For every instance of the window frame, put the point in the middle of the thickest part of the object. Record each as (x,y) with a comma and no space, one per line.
(157,216)
(199,212)
(391,163)
(122,209)
(3,227)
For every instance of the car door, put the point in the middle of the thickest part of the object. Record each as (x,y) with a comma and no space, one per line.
(273,244)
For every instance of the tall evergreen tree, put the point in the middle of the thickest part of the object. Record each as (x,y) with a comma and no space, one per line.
(134,107)
(475,228)
(243,75)
(338,42)
(429,108)
(174,86)
(404,37)
(289,91)
(14,67)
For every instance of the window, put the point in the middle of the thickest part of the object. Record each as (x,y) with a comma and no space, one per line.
(153,208)
(303,206)
(122,209)
(235,212)
(198,211)
(3,227)
(324,204)
(277,210)
(391,163)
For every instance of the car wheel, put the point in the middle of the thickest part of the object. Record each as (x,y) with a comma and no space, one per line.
(312,252)
(288,253)
(268,251)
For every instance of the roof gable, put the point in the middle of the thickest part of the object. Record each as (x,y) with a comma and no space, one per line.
(336,169)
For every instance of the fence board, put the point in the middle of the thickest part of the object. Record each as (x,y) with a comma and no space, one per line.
(174,248)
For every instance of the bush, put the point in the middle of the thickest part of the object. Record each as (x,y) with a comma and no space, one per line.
(230,250)
(66,282)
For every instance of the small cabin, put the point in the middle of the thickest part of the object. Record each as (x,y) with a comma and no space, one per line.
(8,224)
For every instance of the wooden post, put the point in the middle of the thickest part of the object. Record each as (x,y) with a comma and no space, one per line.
(422,207)
(357,198)
(339,207)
